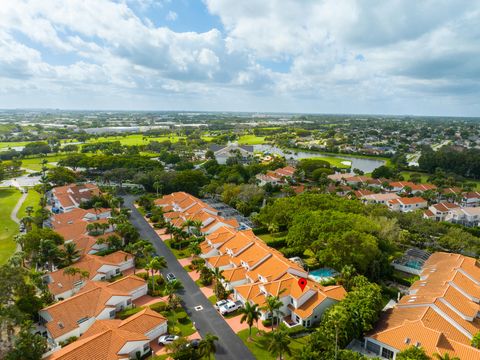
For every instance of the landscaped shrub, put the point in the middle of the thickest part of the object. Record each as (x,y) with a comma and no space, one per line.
(278,243)
(292,252)
(267,322)
(159,306)
(128,312)
(68,341)
(143,275)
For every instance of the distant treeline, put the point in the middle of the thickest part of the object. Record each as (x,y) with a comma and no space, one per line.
(461,161)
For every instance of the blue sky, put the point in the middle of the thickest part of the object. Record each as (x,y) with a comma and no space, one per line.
(320,56)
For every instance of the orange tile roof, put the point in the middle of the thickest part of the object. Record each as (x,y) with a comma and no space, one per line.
(91,263)
(89,302)
(105,338)
(408,201)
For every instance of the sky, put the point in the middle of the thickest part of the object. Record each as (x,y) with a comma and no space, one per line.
(308,56)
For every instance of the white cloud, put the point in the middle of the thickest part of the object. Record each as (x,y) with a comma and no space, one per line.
(350,53)
(171,16)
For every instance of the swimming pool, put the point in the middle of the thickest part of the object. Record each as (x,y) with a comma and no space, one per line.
(415,264)
(322,274)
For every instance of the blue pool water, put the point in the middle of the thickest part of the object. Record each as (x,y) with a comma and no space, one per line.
(322,274)
(414,264)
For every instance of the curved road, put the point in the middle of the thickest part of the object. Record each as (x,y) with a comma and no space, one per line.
(207,320)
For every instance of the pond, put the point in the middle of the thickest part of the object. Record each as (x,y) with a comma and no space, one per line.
(364,164)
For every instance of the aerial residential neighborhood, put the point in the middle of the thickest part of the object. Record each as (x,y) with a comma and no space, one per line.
(239,180)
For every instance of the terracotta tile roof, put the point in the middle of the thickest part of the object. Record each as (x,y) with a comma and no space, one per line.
(381,197)
(438,311)
(408,201)
(91,263)
(105,338)
(444,207)
(234,274)
(73,194)
(88,303)
(428,213)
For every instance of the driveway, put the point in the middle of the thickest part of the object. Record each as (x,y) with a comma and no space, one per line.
(207,320)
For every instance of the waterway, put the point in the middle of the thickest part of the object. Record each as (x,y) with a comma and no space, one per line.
(365,164)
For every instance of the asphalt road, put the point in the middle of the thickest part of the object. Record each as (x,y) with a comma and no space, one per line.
(207,320)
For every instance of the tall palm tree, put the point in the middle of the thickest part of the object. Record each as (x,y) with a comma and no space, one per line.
(171,287)
(218,277)
(273,306)
(207,345)
(155,265)
(27,221)
(70,253)
(250,314)
(278,344)
(141,248)
(29,210)
(72,272)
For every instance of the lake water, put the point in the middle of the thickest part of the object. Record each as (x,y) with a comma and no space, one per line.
(364,164)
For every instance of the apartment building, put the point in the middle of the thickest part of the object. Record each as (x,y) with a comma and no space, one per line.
(405,204)
(255,271)
(99,268)
(439,314)
(68,197)
(116,339)
(97,300)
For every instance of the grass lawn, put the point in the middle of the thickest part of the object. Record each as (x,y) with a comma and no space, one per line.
(213,299)
(33,199)
(179,254)
(424,177)
(251,140)
(135,139)
(259,347)
(272,237)
(333,161)
(8,228)
(183,327)
(35,163)
(7,144)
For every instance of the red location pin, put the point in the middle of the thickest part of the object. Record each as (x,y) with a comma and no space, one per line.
(302,283)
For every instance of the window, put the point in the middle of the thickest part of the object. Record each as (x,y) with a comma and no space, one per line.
(388,354)
(112,314)
(117,271)
(82,320)
(375,348)
(146,347)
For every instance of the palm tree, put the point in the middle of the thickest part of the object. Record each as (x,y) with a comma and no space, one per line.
(156,264)
(27,221)
(273,306)
(207,345)
(29,210)
(278,344)
(171,287)
(218,277)
(141,248)
(70,253)
(71,272)
(197,225)
(445,356)
(250,314)
(96,207)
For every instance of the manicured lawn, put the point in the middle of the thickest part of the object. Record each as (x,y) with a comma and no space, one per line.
(33,199)
(179,254)
(135,139)
(8,228)
(213,299)
(259,347)
(424,177)
(251,140)
(333,161)
(35,164)
(272,237)
(183,324)
(7,144)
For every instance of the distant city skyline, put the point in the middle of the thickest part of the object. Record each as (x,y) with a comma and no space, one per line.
(321,57)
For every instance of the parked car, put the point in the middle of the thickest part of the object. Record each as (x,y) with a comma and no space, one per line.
(171,277)
(167,339)
(219,304)
(229,307)
(148,215)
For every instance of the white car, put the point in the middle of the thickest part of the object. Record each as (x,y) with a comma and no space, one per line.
(220,303)
(167,339)
(229,307)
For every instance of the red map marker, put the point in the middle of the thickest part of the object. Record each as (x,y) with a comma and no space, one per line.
(302,283)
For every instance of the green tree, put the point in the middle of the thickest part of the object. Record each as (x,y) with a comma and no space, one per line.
(279,343)
(69,254)
(412,353)
(155,265)
(445,356)
(476,340)
(273,306)
(250,314)
(28,346)
(207,345)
